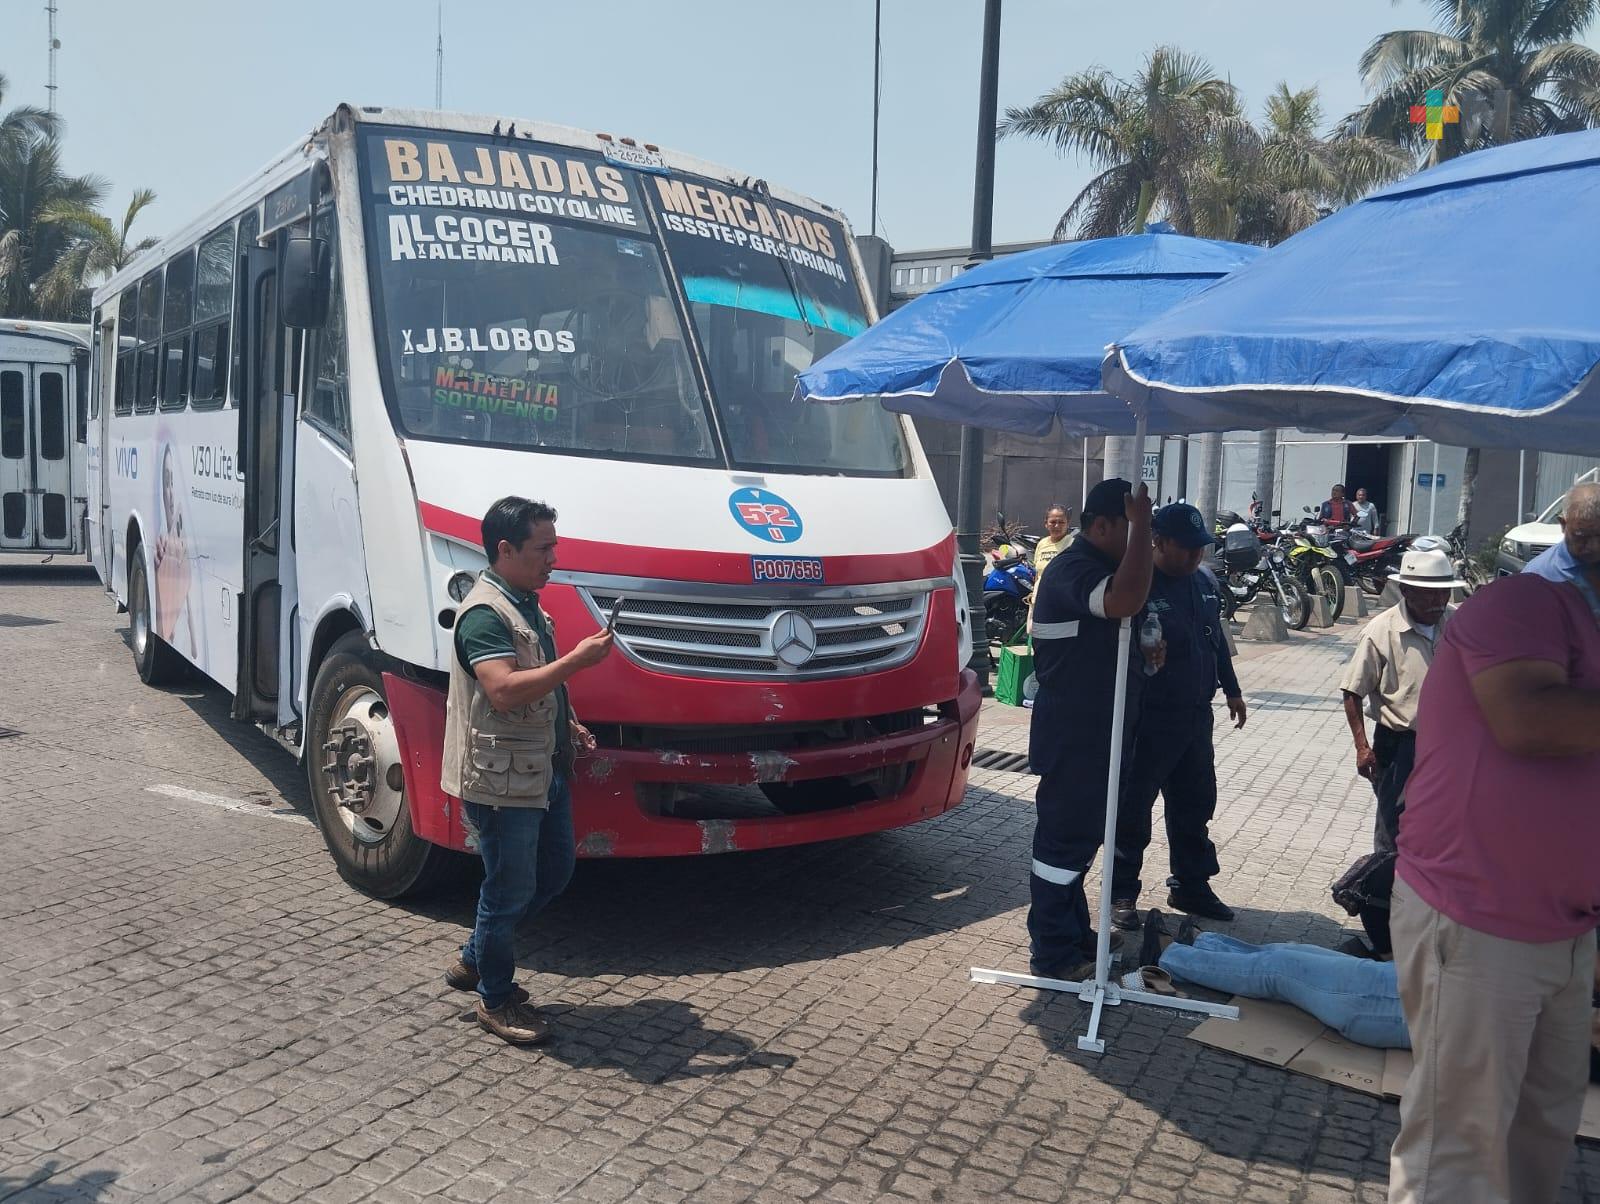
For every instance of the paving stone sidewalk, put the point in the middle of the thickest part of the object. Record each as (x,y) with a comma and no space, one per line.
(193,1006)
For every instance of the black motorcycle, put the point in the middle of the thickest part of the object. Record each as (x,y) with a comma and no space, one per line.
(1247,568)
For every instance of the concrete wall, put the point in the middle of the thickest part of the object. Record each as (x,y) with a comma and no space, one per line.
(1021,475)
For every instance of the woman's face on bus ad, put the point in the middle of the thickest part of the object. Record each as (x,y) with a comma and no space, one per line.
(168,500)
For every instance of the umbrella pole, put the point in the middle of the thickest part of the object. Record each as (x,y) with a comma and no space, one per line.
(1091,1040)
(1103,990)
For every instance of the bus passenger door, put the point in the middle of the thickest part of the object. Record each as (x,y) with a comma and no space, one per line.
(266,414)
(16,455)
(55,435)
(102,380)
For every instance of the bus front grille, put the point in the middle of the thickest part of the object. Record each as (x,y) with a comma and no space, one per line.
(671,628)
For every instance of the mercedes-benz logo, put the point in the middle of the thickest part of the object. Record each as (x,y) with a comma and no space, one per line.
(794,639)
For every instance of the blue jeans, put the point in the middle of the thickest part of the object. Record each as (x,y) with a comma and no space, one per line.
(1357,998)
(528,856)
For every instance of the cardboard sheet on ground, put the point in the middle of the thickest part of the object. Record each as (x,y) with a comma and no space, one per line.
(1280,1035)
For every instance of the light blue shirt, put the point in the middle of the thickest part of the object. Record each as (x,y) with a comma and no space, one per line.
(1557,563)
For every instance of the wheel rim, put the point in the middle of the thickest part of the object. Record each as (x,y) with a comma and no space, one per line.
(1287,605)
(139,613)
(361,769)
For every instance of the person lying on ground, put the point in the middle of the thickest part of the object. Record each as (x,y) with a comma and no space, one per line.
(1356,997)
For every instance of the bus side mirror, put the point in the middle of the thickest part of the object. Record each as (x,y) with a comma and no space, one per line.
(305,283)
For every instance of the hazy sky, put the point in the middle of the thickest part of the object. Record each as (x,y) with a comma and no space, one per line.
(188,97)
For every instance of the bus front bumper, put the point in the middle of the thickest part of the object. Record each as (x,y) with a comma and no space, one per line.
(611,788)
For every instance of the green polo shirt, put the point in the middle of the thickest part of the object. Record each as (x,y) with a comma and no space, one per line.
(482,635)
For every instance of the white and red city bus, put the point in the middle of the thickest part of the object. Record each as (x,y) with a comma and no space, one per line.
(43,430)
(308,398)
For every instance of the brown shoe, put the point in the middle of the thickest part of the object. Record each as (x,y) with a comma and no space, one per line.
(465,978)
(515,1023)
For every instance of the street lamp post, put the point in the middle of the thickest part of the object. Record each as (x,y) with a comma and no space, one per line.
(969,481)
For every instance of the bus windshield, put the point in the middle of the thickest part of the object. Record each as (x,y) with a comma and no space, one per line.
(771,289)
(520,301)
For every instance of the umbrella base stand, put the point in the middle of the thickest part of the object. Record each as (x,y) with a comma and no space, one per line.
(1101,995)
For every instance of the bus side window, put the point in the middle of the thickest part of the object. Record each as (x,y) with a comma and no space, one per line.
(177,313)
(213,310)
(145,395)
(127,325)
(327,393)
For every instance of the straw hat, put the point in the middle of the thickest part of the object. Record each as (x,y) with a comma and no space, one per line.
(1425,568)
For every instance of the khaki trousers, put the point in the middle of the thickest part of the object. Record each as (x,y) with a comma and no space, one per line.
(1500,1044)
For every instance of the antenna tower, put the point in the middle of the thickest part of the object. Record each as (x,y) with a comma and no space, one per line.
(55,45)
(438,63)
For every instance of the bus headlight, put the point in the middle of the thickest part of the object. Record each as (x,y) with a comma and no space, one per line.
(460,586)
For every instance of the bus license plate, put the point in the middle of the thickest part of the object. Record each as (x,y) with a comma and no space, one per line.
(807,569)
(636,157)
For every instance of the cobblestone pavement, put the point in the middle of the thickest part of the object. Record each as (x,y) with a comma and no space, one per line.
(193,1006)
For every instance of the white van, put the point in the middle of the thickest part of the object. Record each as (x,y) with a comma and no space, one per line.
(1525,541)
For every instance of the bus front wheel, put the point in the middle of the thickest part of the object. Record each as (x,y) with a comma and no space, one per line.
(354,770)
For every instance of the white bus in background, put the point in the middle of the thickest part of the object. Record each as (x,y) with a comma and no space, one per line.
(43,431)
(306,400)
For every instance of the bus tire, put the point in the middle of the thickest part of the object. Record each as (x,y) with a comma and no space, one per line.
(158,662)
(353,769)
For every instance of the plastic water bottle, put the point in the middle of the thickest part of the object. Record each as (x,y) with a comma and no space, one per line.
(1149,639)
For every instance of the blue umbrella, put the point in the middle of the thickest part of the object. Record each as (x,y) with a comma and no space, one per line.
(1462,304)
(1016,344)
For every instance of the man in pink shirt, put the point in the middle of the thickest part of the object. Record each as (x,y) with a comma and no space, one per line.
(1497,896)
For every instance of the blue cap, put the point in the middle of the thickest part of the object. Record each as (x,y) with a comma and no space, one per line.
(1182,523)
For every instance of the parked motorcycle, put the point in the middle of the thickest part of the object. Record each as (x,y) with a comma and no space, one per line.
(1008,583)
(1315,563)
(1370,561)
(1364,560)
(1464,562)
(1246,569)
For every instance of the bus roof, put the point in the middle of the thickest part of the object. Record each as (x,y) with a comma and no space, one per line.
(297,157)
(72,333)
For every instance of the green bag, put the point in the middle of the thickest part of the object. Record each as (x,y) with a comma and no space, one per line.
(1016,666)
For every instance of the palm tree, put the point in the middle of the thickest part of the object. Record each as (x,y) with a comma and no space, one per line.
(33,183)
(1516,60)
(1520,53)
(25,122)
(98,249)
(1292,177)
(1146,136)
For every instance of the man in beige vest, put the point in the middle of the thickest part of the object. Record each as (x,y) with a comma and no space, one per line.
(508,744)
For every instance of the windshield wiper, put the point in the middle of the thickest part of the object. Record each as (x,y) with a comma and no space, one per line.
(759,187)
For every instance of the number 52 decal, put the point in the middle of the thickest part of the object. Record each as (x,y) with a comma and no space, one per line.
(765,515)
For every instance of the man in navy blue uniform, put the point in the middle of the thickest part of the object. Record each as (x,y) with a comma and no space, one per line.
(1101,579)
(1172,752)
